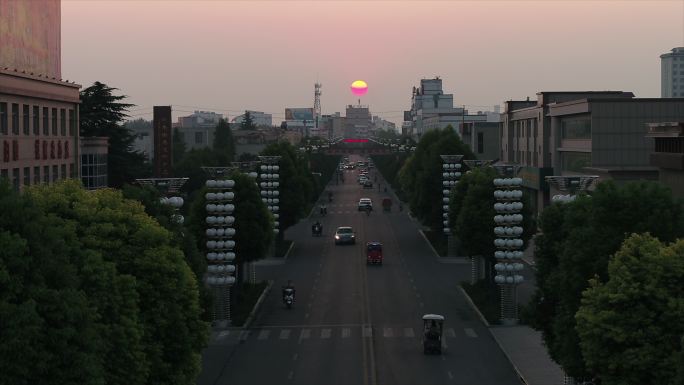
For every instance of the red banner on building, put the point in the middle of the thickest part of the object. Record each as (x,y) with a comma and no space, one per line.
(162,141)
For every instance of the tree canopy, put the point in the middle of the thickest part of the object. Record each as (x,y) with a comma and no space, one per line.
(102,114)
(421,176)
(630,326)
(248,122)
(576,244)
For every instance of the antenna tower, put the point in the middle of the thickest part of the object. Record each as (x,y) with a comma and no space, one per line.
(317,103)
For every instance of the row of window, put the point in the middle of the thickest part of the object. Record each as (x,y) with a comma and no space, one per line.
(576,128)
(94,171)
(39,174)
(672,145)
(52,121)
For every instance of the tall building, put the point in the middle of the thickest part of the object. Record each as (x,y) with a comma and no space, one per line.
(431,108)
(672,73)
(668,154)
(198,128)
(358,122)
(260,119)
(39,140)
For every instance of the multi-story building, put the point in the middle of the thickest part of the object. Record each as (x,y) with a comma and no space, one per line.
(668,154)
(38,110)
(259,118)
(143,132)
(358,122)
(582,133)
(482,138)
(94,162)
(431,108)
(198,129)
(383,125)
(672,74)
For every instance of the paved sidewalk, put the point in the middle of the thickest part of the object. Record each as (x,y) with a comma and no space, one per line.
(523,347)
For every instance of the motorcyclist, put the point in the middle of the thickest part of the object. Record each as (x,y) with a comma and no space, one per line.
(330,195)
(316,228)
(289,286)
(324,209)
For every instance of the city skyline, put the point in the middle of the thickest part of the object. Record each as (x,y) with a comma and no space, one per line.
(194,55)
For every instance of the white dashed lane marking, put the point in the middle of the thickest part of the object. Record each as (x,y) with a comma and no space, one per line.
(387,332)
(450,332)
(346,332)
(325,333)
(284,334)
(408,332)
(264,334)
(470,333)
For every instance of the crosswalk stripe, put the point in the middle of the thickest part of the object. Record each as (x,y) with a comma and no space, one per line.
(346,332)
(408,332)
(305,334)
(387,332)
(223,334)
(325,333)
(450,332)
(264,334)
(470,333)
(284,334)
(367,332)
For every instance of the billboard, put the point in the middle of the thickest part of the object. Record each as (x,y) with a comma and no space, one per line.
(30,36)
(161,122)
(299,114)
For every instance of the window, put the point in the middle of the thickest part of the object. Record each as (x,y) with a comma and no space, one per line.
(480,142)
(54,121)
(199,138)
(55,173)
(46,121)
(15,118)
(46,174)
(4,174)
(72,123)
(72,170)
(36,175)
(576,128)
(62,122)
(64,174)
(575,161)
(27,176)
(36,120)
(26,108)
(15,178)
(3,118)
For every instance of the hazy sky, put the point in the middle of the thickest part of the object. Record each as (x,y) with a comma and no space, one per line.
(228,56)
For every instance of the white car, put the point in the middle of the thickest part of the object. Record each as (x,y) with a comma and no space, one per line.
(365,204)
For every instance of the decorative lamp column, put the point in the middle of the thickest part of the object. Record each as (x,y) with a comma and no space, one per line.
(508,230)
(270,190)
(170,187)
(476,261)
(451,172)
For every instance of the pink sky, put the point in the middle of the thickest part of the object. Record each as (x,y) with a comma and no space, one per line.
(228,56)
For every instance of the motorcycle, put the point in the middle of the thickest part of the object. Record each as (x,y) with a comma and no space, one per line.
(323,210)
(316,230)
(288,297)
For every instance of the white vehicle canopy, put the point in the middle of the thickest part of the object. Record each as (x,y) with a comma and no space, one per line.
(435,317)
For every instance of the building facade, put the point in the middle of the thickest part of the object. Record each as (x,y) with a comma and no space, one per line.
(482,138)
(582,133)
(259,118)
(668,154)
(358,122)
(672,74)
(94,152)
(198,129)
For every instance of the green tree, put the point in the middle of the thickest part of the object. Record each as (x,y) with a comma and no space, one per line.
(102,114)
(591,230)
(173,333)
(224,144)
(179,147)
(191,167)
(421,177)
(630,326)
(248,123)
(68,315)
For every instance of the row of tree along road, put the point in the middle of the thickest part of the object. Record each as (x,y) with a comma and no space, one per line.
(103,287)
(609,265)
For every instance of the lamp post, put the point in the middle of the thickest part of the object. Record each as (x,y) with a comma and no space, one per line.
(270,191)
(508,229)
(170,187)
(570,186)
(476,261)
(220,231)
(451,172)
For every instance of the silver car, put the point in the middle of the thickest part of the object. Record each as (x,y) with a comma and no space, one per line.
(345,234)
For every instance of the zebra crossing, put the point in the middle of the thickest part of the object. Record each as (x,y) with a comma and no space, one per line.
(301,333)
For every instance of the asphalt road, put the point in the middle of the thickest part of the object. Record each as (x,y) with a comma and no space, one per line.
(358,324)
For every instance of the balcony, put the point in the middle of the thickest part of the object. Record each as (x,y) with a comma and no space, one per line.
(667,160)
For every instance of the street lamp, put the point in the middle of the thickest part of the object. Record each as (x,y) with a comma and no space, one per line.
(270,190)
(508,230)
(220,231)
(451,172)
(476,261)
(170,187)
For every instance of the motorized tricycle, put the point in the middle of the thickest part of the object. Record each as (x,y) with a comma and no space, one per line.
(374,253)
(432,333)
(288,297)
